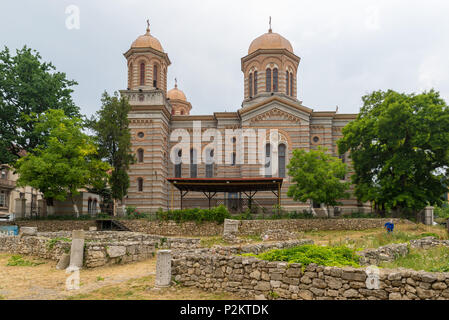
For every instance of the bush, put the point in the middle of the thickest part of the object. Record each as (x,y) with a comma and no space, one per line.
(217,214)
(441,212)
(306,254)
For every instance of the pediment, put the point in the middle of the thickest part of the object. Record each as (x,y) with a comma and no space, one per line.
(275,112)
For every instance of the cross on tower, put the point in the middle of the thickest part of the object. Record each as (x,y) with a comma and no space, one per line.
(270,25)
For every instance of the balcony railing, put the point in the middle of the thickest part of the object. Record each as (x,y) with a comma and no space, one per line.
(7,183)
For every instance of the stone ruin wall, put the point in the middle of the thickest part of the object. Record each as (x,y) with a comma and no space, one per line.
(101,248)
(246,227)
(251,278)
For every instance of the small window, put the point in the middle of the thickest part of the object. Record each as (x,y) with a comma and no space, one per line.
(268,80)
(178,165)
(141,135)
(4,174)
(139,184)
(268,160)
(142,74)
(255,82)
(250,84)
(140,155)
(233,140)
(287,83)
(316,139)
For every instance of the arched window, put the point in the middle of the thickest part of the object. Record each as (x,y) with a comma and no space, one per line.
(268,80)
(291,84)
(94,207)
(287,83)
(233,159)
(155,80)
(89,206)
(275,79)
(139,184)
(140,155)
(142,74)
(193,164)
(281,160)
(250,83)
(255,82)
(209,163)
(178,165)
(267,160)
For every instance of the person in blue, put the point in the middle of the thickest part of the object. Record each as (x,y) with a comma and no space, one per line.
(389,226)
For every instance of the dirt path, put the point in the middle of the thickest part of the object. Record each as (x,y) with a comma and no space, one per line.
(129,281)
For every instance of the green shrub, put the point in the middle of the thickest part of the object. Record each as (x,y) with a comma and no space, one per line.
(307,254)
(441,212)
(217,214)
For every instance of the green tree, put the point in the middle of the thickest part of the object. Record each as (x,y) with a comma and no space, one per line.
(399,149)
(317,176)
(28,87)
(66,162)
(111,127)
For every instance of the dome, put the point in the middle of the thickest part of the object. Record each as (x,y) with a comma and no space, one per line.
(147,41)
(270,40)
(176,94)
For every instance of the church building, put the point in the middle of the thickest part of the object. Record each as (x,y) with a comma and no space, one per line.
(270,71)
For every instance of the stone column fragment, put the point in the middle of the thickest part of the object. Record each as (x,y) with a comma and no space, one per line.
(77,249)
(163,268)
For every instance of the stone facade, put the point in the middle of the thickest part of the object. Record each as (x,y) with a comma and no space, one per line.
(270,102)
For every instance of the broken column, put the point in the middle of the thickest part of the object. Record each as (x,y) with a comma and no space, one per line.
(77,249)
(163,268)
(231,229)
(28,231)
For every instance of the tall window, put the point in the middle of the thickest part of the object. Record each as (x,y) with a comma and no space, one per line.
(94,207)
(267,160)
(250,83)
(291,84)
(139,184)
(193,164)
(255,82)
(2,199)
(287,83)
(209,163)
(155,76)
(142,74)
(281,160)
(233,159)
(178,164)
(140,155)
(275,79)
(89,206)
(131,75)
(268,80)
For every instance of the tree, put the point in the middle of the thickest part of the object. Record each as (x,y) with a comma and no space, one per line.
(111,127)
(399,149)
(28,87)
(317,176)
(66,162)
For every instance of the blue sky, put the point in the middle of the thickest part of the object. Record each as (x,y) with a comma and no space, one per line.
(347,48)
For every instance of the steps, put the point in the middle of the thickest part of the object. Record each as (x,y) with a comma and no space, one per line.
(111,225)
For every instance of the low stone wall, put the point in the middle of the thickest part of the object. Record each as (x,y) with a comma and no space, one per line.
(101,248)
(246,227)
(250,277)
(54,225)
(428,242)
(386,253)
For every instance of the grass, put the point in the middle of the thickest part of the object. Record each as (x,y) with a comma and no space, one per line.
(434,260)
(100,278)
(19,261)
(310,253)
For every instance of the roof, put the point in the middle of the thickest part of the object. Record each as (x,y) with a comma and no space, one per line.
(226,184)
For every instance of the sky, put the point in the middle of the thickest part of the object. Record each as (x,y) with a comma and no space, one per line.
(347,48)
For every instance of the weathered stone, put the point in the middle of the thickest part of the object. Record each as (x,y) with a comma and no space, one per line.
(263,286)
(77,249)
(318,283)
(255,274)
(28,231)
(116,251)
(439,286)
(395,296)
(305,295)
(163,268)
(351,293)
(63,262)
